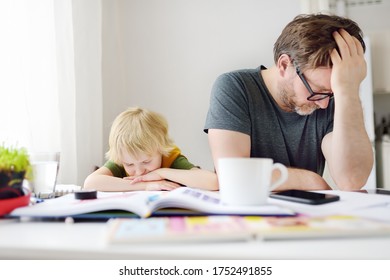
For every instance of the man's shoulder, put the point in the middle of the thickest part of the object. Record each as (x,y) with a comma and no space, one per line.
(238,76)
(241,72)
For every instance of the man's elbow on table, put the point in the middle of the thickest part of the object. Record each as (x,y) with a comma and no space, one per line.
(353,182)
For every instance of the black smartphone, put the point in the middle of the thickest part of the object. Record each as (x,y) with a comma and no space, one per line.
(375,191)
(305,197)
(382,191)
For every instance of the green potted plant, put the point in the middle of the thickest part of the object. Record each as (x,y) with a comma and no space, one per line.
(14,168)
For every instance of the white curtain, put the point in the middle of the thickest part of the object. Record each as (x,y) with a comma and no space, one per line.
(29,93)
(45,59)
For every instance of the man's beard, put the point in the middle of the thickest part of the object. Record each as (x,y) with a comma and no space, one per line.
(287,97)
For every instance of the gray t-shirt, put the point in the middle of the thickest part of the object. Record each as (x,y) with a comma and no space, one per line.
(240,101)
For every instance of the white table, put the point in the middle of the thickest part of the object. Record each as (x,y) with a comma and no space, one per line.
(59,240)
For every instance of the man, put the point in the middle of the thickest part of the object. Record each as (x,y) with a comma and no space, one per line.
(303,110)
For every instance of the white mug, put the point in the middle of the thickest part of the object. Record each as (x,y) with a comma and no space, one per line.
(247,181)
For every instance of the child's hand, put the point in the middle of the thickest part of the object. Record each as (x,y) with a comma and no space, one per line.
(162,185)
(153,182)
(149,177)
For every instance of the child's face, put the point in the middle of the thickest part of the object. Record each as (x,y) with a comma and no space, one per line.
(140,164)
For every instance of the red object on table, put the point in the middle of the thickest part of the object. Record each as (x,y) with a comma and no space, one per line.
(9,204)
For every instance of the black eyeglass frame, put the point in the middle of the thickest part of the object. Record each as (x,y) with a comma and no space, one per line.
(314,96)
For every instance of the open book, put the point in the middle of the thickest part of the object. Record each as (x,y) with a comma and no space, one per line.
(145,204)
(239,228)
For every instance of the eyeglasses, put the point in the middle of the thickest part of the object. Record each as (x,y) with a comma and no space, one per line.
(314,96)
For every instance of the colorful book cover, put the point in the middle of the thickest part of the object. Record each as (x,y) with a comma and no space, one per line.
(225,228)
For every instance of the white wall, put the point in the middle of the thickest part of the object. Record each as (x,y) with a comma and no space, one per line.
(165,55)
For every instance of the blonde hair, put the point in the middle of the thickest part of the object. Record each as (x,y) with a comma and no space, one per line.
(138,130)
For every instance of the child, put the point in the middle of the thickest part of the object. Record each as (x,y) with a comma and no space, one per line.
(141,156)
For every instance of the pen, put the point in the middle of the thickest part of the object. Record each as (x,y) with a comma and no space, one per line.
(35,200)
